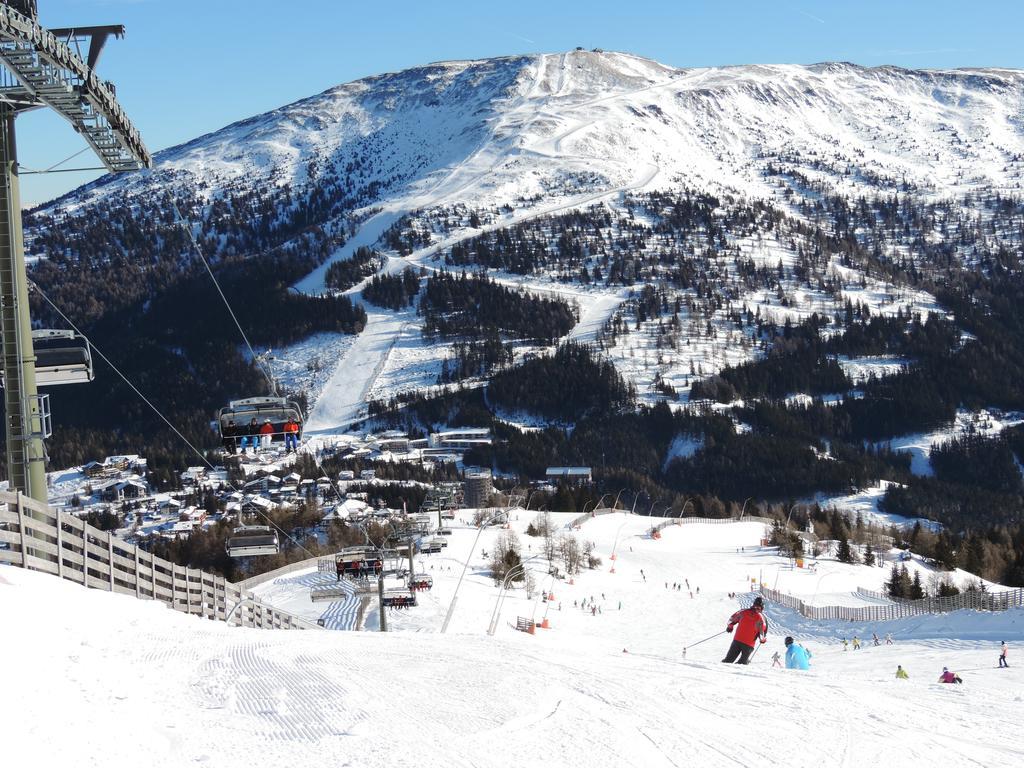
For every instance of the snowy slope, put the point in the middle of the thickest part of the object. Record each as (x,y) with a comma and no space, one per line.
(122,676)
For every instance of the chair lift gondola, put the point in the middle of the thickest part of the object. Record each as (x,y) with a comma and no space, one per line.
(62,357)
(233,420)
(251,540)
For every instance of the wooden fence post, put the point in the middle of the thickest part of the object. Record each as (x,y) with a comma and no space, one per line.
(174,589)
(21,528)
(60,546)
(138,577)
(110,557)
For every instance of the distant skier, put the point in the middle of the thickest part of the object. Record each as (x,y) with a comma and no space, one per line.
(874,636)
(1002,655)
(846,645)
(776,659)
(797,657)
(901,673)
(949,677)
(750,624)
(856,643)
(888,638)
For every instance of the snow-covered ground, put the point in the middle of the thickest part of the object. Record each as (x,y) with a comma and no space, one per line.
(865,502)
(982,423)
(121,677)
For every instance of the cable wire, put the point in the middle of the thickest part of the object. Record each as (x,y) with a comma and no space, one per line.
(158,412)
(55,165)
(195,243)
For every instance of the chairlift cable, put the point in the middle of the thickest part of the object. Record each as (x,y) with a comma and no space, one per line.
(195,243)
(159,413)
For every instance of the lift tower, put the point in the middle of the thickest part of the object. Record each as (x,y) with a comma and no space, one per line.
(44,68)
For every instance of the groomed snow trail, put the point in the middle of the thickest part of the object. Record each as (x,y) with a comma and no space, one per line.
(123,677)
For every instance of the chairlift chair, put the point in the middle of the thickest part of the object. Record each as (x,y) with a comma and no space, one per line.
(62,357)
(277,410)
(252,540)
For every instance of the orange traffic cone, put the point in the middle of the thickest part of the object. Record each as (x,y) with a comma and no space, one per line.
(544,624)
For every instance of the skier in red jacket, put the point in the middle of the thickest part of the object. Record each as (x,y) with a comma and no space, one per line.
(750,624)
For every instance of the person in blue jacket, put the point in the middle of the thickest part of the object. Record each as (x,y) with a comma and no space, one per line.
(797,657)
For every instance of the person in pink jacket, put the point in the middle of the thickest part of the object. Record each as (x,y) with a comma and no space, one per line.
(949,677)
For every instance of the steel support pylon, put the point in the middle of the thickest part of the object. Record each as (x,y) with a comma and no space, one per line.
(26,454)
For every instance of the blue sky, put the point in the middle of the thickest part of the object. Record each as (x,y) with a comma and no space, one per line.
(187,67)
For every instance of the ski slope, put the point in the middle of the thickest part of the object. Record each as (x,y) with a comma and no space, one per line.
(102,679)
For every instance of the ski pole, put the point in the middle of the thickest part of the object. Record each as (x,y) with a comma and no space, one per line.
(685,647)
(756,649)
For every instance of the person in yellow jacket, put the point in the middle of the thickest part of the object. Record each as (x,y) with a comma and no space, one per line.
(901,673)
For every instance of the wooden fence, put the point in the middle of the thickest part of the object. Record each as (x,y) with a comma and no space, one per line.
(969,600)
(982,601)
(34,536)
(711,520)
(579,520)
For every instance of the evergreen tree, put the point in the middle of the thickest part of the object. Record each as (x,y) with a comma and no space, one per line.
(916,590)
(906,584)
(893,586)
(974,559)
(844,553)
(943,553)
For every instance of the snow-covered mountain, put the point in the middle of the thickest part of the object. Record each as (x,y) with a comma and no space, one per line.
(444,153)
(515,127)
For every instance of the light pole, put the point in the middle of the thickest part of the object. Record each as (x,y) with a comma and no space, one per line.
(818,582)
(791,513)
(743,511)
(683,510)
(633,508)
(455,597)
(615,504)
(615,545)
(650,511)
(600,502)
(500,599)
